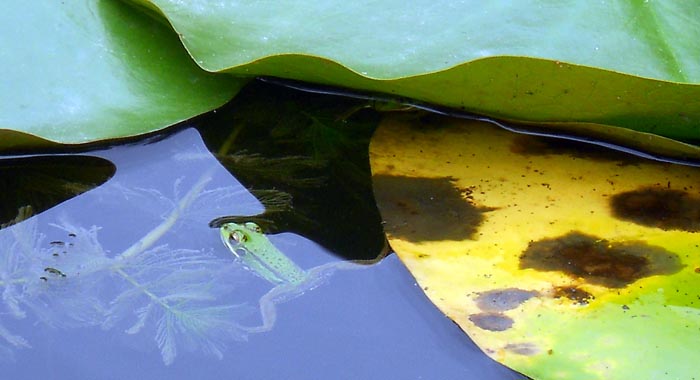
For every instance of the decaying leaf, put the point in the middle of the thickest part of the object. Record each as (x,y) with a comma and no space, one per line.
(560,260)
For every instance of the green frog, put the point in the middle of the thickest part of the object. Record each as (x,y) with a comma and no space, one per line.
(254,250)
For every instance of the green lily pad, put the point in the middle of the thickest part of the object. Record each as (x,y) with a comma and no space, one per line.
(633,65)
(80,72)
(560,260)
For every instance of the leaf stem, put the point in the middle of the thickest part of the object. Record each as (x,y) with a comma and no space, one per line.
(145,290)
(155,234)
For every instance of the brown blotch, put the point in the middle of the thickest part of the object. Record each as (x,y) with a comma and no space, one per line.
(542,146)
(659,207)
(599,261)
(503,299)
(419,209)
(492,321)
(526,349)
(573,293)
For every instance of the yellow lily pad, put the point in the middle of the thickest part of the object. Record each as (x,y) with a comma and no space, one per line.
(560,260)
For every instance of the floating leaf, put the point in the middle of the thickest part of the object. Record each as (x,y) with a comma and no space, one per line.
(110,65)
(633,65)
(82,71)
(561,260)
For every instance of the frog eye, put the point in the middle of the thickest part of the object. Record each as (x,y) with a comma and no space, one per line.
(253,227)
(239,237)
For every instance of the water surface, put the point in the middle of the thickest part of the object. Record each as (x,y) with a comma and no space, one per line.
(85,282)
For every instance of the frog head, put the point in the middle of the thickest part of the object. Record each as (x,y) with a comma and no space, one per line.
(252,248)
(240,238)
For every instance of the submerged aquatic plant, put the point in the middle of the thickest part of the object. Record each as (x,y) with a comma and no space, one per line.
(180,296)
(13,268)
(179,292)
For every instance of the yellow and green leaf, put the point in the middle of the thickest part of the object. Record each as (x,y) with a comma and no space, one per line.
(560,260)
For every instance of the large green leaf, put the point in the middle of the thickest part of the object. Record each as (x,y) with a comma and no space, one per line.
(81,71)
(526,60)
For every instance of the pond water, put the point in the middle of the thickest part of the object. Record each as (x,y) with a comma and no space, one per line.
(115,273)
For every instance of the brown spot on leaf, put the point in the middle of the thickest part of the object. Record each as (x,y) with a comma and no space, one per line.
(491,321)
(598,261)
(503,299)
(658,207)
(420,209)
(573,293)
(526,349)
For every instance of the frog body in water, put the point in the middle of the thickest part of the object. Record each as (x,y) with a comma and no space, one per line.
(249,245)
(253,249)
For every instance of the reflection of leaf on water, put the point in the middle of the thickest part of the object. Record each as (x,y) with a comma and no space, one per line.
(177,295)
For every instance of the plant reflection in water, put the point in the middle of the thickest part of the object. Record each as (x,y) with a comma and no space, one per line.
(179,293)
(65,273)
